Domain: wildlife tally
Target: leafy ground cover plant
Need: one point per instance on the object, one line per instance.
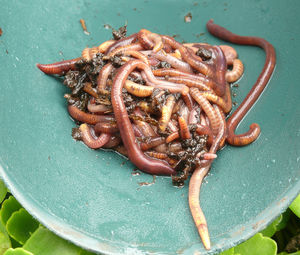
(21, 234)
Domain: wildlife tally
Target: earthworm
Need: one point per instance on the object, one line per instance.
(122, 49)
(162, 115)
(194, 204)
(225, 103)
(230, 53)
(150, 40)
(205, 130)
(195, 185)
(236, 72)
(136, 54)
(188, 57)
(152, 142)
(98, 108)
(257, 88)
(145, 106)
(90, 90)
(122, 42)
(142, 161)
(106, 127)
(166, 112)
(157, 155)
(184, 129)
(207, 108)
(103, 76)
(89, 53)
(173, 136)
(193, 116)
(152, 81)
(88, 118)
(114, 141)
(172, 126)
(59, 68)
(190, 82)
(138, 89)
(90, 140)
(143, 126)
(188, 100)
(174, 62)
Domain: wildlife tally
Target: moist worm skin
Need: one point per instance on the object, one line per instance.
(135, 154)
(103, 76)
(257, 89)
(113, 142)
(122, 42)
(122, 49)
(183, 128)
(236, 72)
(59, 68)
(166, 112)
(90, 90)
(88, 118)
(106, 127)
(90, 140)
(138, 89)
(150, 40)
(224, 102)
(230, 53)
(207, 108)
(187, 56)
(194, 203)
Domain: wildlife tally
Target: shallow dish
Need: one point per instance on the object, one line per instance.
(91, 197)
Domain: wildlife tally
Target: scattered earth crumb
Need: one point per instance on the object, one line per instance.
(6, 51)
(134, 9)
(195, 3)
(188, 18)
(49, 158)
(148, 183)
(107, 26)
(82, 22)
(201, 34)
(135, 172)
(234, 103)
(174, 36)
(1, 31)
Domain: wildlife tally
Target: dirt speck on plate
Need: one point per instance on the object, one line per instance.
(188, 18)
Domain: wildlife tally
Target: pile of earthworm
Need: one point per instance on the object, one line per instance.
(161, 103)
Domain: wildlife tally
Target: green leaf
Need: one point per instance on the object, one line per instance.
(4, 243)
(284, 221)
(84, 252)
(21, 225)
(258, 244)
(44, 242)
(285, 253)
(295, 206)
(3, 190)
(9, 206)
(272, 228)
(228, 252)
(17, 251)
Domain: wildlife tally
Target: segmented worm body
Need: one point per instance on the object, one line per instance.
(163, 104)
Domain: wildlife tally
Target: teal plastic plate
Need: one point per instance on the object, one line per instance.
(91, 197)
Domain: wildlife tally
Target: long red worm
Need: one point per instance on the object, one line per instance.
(257, 89)
(135, 154)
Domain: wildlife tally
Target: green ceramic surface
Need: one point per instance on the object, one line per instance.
(91, 197)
